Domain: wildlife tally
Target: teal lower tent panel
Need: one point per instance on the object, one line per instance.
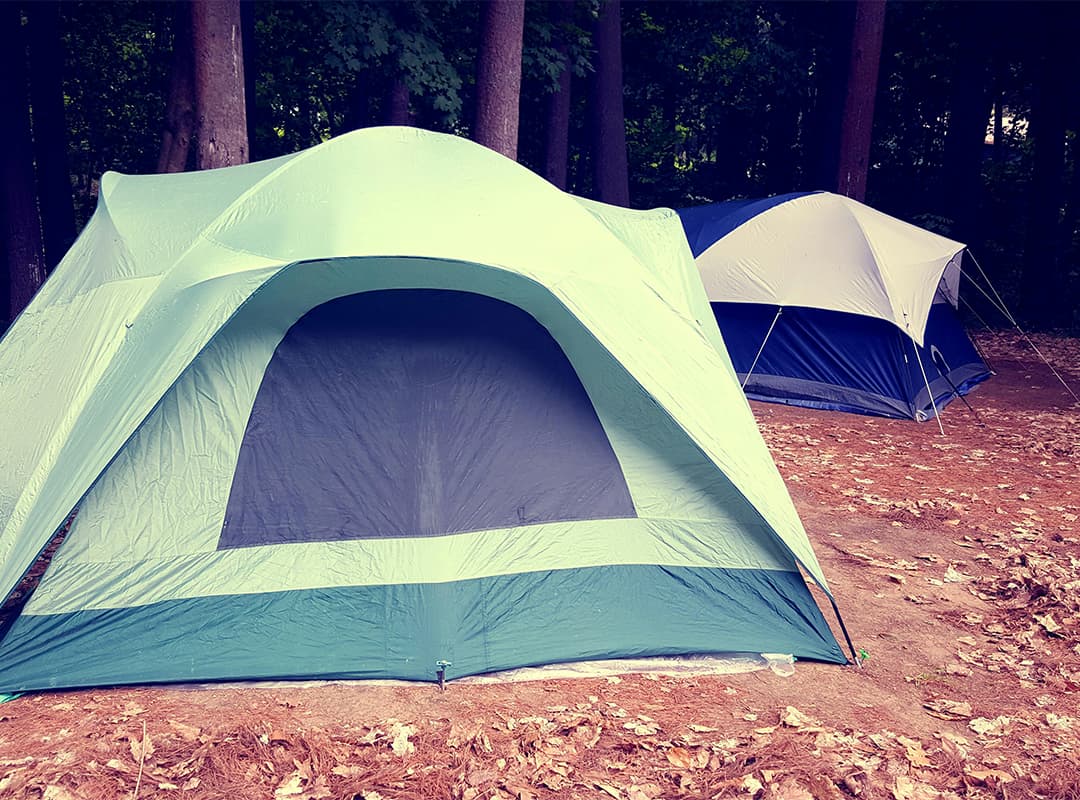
(402, 631)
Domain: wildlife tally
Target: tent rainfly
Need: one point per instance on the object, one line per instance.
(826, 303)
(384, 406)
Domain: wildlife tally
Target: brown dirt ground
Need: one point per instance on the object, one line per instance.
(955, 560)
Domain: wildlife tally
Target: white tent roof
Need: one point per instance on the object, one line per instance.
(827, 251)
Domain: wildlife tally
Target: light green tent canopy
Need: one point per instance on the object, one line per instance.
(192, 332)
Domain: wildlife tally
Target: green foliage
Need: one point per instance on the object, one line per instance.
(722, 100)
(116, 71)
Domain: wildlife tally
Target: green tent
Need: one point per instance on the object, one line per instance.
(384, 404)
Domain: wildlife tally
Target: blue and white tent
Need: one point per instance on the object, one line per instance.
(826, 303)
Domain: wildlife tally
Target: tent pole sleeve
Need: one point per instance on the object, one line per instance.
(1012, 320)
(768, 333)
(929, 391)
(844, 630)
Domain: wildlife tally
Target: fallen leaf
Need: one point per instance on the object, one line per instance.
(401, 744)
(990, 727)
(948, 709)
(189, 733)
(290, 787)
(605, 787)
(914, 752)
(989, 776)
(680, 757)
(794, 718)
(1048, 623)
(752, 785)
(56, 792)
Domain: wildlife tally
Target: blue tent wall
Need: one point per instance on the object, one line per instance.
(847, 362)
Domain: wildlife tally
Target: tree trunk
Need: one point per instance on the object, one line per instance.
(397, 103)
(970, 107)
(219, 84)
(824, 118)
(180, 104)
(50, 130)
(557, 133)
(498, 80)
(1044, 298)
(610, 169)
(21, 231)
(247, 38)
(857, 128)
(357, 105)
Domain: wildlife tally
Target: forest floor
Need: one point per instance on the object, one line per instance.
(956, 563)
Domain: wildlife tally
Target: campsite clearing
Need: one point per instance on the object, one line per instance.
(956, 562)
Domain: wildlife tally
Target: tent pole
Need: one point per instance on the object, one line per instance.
(929, 391)
(1012, 320)
(843, 628)
(768, 333)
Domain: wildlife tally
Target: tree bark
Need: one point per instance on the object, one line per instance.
(557, 133)
(498, 80)
(610, 169)
(857, 129)
(970, 106)
(397, 104)
(824, 119)
(50, 130)
(21, 231)
(1044, 295)
(180, 104)
(219, 84)
(248, 42)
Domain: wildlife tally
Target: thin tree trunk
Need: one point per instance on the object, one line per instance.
(857, 130)
(357, 106)
(50, 129)
(498, 80)
(970, 107)
(219, 84)
(180, 104)
(824, 119)
(397, 104)
(557, 133)
(249, 45)
(21, 231)
(610, 167)
(1044, 298)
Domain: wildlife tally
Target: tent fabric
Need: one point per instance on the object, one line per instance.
(441, 392)
(548, 365)
(844, 362)
(826, 303)
(823, 250)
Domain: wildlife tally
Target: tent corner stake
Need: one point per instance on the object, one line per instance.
(440, 673)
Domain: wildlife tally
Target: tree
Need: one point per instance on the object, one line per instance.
(397, 104)
(50, 129)
(180, 102)
(557, 129)
(498, 79)
(1045, 287)
(21, 231)
(857, 129)
(221, 138)
(610, 167)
